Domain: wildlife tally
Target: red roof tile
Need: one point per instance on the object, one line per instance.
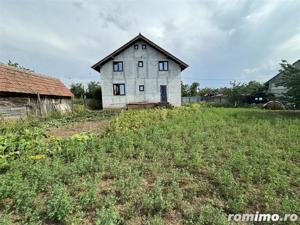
(20, 81)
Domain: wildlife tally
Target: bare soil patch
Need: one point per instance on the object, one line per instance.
(68, 130)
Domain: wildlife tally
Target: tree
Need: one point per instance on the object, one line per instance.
(94, 92)
(207, 91)
(77, 89)
(224, 91)
(291, 80)
(236, 92)
(194, 89)
(184, 89)
(254, 87)
(189, 90)
(17, 65)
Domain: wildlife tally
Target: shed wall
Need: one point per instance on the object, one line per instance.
(21, 106)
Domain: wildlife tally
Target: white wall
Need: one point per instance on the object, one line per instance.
(277, 91)
(133, 76)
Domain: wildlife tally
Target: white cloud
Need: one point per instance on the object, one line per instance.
(289, 49)
(221, 40)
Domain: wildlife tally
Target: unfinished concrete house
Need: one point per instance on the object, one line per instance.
(140, 72)
(27, 93)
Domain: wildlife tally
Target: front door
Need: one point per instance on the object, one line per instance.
(163, 93)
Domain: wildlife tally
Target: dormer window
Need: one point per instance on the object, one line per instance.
(144, 46)
(118, 66)
(136, 46)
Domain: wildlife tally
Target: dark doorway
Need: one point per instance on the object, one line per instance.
(163, 93)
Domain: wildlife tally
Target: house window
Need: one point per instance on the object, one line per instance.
(118, 66)
(136, 46)
(140, 64)
(141, 87)
(119, 89)
(143, 46)
(163, 66)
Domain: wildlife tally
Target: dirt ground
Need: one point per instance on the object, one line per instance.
(97, 126)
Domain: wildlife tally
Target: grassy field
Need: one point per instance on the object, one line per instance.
(189, 165)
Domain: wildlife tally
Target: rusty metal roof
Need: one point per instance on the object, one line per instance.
(17, 80)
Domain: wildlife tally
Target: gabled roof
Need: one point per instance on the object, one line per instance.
(294, 64)
(139, 37)
(16, 80)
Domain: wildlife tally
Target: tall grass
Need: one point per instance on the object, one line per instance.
(189, 165)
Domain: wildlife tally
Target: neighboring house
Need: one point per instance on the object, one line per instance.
(23, 92)
(280, 90)
(140, 72)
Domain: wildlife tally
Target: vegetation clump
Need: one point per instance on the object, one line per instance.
(190, 165)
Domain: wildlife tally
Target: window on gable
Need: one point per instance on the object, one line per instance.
(144, 46)
(119, 89)
(140, 64)
(136, 46)
(141, 87)
(118, 66)
(163, 66)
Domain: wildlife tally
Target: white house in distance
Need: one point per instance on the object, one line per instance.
(278, 91)
(140, 72)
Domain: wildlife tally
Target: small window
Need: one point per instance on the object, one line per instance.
(141, 87)
(163, 66)
(144, 46)
(140, 64)
(119, 89)
(136, 46)
(118, 66)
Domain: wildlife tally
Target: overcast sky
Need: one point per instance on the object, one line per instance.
(220, 40)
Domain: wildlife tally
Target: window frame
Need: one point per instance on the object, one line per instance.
(142, 87)
(136, 46)
(141, 62)
(144, 46)
(163, 63)
(118, 85)
(118, 62)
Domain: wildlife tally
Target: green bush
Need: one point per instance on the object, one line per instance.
(191, 164)
(59, 204)
(209, 215)
(94, 104)
(107, 214)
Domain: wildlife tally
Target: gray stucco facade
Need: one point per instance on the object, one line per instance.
(142, 82)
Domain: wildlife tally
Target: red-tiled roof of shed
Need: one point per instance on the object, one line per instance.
(21, 81)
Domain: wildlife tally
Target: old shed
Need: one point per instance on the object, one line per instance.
(23, 92)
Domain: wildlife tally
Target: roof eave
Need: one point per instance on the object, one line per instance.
(99, 64)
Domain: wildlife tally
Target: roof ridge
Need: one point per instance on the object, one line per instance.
(97, 66)
(296, 62)
(21, 81)
(32, 73)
